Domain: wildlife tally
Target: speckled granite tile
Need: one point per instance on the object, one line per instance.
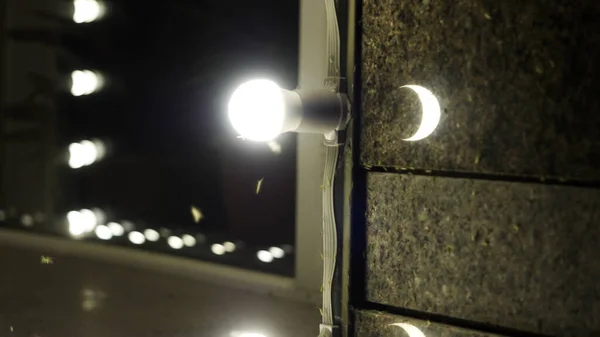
(374, 324)
(517, 81)
(522, 256)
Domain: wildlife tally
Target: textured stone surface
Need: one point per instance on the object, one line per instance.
(517, 81)
(375, 324)
(522, 256)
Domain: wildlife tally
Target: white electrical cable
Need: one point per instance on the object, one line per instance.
(331, 153)
(329, 236)
(333, 46)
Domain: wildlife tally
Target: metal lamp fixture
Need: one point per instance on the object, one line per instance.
(260, 110)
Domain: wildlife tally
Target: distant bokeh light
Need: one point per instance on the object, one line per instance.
(88, 219)
(277, 252)
(85, 82)
(86, 11)
(218, 249)
(27, 220)
(85, 153)
(175, 242)
(136, 238)
(76, 223)
(264, 256)
(116, 228)
(188, 240)
(103, 232)
(229, 246)
(151, 235)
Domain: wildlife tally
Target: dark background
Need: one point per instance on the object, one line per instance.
(169, 68)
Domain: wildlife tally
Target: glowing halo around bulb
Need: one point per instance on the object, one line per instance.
(256, 110)
(86, 11)
(431, 112)
(410, 329)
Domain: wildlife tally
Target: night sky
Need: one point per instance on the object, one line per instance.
(170, 67)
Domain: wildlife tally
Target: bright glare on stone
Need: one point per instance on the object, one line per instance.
(86, 11)
(257, 111)
(277, 252)
(103, 232)
(218, 249)
(136, 238)
(188, 240)
(151, 235)
(175, 242)
(84, 82)
(116, 229)
(410, 329)
(431, 112)
(245, 334)
(229, 246)
(264, 256)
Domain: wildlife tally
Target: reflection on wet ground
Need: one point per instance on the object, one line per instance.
(78, 297)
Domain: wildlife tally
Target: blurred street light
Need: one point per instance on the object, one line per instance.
(175, 242)
(264, 256)
(85, 153)
(136, 238)
(218, 249)
(277, 252)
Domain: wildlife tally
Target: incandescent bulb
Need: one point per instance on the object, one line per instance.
(257, 110)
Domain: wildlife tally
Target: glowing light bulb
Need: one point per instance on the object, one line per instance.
(264, 256)
(84, 82)
(103, 232)
(218, 249)
(136, 238)
(151, 235)
(257, 110)
(116, 229)
(86, 11)
(175, 242)
(277, 252)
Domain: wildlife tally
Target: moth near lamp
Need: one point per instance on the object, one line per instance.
(260, 110)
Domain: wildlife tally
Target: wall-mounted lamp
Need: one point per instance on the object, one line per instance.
(260, 110)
